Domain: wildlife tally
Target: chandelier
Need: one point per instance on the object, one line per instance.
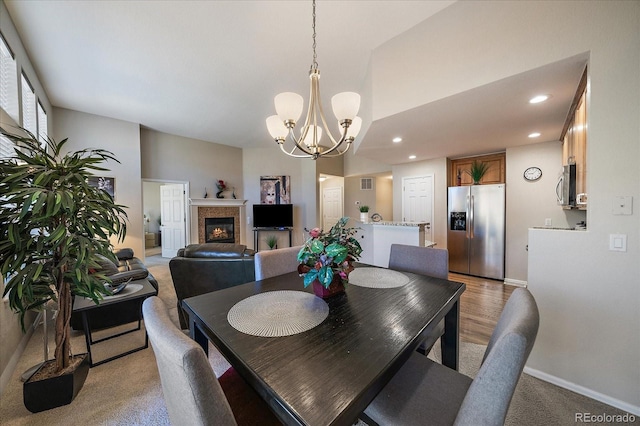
(289, 107)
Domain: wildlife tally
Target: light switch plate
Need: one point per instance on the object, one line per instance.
(618, 242)
(622, 205)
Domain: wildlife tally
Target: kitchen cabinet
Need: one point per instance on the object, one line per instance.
(495, 173)
(574, 141)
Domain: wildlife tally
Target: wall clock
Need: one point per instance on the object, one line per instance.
(532, 174)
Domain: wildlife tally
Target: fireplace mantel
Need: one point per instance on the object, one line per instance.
(216, 202)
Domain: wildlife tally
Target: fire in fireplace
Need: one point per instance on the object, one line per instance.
(219, 230)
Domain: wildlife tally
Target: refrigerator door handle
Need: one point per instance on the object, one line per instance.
(468, 224)
(471, 218)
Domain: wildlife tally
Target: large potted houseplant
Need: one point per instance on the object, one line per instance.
(53, 225)
(325, 258)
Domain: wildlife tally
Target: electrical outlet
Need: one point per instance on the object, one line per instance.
(547, 222)
(248, 220)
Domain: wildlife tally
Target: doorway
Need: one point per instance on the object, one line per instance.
(330, 201)
(417, 202)
(161, 238)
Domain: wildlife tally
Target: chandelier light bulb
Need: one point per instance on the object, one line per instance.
(354, 128)
(276, 127)
(309, 138)
(289, 106)
(345, 105)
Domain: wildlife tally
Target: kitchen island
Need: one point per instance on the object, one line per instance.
(376, 239)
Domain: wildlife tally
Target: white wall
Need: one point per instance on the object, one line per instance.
(437, 168)
(123, 140)
(305, 187)
(589, 337)
(530, 203)
(151, 205)
(384, 197)
(176, 158)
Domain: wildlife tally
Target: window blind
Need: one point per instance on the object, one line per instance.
(29, 119)
(42, 124)
(8, 81)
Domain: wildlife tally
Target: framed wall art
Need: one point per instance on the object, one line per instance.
(274, 190)
(107, 184)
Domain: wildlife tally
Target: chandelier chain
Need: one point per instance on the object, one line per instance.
(314, 66)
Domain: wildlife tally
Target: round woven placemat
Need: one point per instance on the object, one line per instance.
(278, 313)
(377, 278)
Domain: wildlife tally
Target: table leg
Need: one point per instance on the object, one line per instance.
(450, 339)
(87, 335)
(198, 336)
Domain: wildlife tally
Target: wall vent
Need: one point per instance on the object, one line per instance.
(366, 183)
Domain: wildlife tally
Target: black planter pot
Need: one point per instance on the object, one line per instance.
(55, 392)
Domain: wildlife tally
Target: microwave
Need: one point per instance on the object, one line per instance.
(566, 186)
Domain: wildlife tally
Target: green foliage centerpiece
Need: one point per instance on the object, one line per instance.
(326, 256)
(53, 224)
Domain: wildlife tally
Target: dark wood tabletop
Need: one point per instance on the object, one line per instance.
(329, 374)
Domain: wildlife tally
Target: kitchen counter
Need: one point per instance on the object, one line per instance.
(389, 223)
(376, 239)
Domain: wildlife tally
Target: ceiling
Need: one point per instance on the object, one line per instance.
(209, 70)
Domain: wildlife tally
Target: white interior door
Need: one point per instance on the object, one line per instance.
(173, 218)
(332, 208)
(417, 202)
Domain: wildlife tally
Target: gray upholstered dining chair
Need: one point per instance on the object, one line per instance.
(430, 261)
(269, 263)
(425, 392)
(433, 262)
(192, 393)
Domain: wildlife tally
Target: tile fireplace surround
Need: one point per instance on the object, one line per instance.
(202, 208)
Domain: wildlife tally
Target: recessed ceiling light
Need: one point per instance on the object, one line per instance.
(397, 139)
(534, 135)
(538, 99)
(412, 157)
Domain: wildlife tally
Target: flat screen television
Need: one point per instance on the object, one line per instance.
(273, 215)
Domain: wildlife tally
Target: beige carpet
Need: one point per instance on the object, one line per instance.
(127, 391)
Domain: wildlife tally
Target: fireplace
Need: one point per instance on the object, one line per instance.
(219, 230)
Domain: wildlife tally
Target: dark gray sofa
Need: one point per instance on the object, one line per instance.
(203, 268)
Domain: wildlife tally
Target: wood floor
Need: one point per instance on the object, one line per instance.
(480, 306)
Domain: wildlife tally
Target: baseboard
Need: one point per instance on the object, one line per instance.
(622, 405)
(515, 283)
(13, 362)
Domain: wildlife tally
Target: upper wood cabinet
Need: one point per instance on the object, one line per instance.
(495, 173)
(574, 140)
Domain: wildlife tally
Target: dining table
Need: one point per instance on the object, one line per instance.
(322, 361)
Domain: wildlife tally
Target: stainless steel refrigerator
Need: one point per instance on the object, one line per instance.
(476, 230)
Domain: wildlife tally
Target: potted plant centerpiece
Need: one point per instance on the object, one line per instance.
(325, 258)
(477, 170)
(53, 224)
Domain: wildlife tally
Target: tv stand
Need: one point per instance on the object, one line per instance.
(256, 233)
